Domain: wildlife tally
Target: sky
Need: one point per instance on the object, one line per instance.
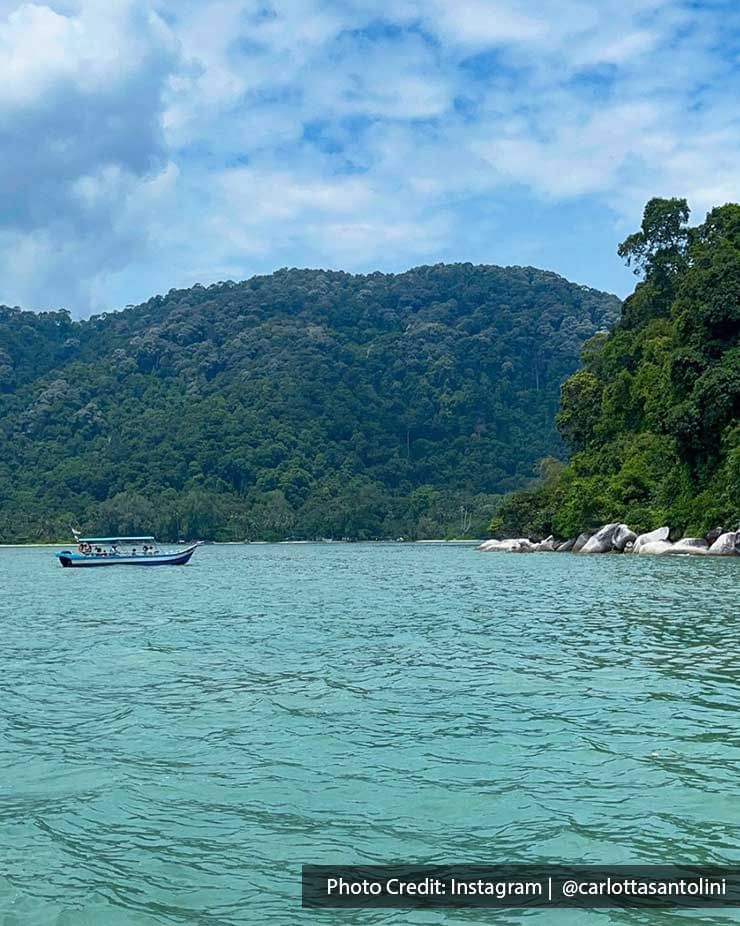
(151, 145)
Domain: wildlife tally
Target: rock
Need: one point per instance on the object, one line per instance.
(696, 546)
(581, 541)
(726, 544)
(655, 548)
(566, 546)
(622, 537)
(661, 533)
(546, 546)
(521, 545)
(714, 535)
(488, 545)
(602, 541)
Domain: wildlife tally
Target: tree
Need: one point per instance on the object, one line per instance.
(659, 247)
(652, 416)
(580, 408)
(300, 404)
(659, 253)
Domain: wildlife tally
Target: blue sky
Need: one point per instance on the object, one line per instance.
(148, 145)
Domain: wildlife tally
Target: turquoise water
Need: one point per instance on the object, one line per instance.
(175, 742)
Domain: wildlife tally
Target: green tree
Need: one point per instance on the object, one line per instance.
(652, 417)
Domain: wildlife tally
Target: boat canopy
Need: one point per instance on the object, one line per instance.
(114, 539)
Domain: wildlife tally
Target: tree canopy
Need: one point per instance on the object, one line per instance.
(301, 404)
(652, 415)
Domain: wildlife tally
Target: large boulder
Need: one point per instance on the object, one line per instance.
(566, 546)
(622, 537)
(581, 541)
(546, 546)
(520, 545)
(662, 533)
(656, 548)
(602, 541)
(714, 534)
(727, 544)
(488, 545)
(696, 546)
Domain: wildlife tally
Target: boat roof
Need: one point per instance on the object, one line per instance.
(114, 539)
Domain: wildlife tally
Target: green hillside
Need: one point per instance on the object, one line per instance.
(653, 415)
(301, 404)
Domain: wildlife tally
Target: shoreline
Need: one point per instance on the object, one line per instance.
(252, 543)
(619, 538)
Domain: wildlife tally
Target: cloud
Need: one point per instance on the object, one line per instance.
(162, 142)
(81, 103)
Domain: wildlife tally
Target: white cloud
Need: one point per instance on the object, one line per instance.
(80, 126)
(177, 140)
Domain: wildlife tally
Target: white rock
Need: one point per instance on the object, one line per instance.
(662, 533)
(622, 536)
(725, 544)
(655, 548)
(581, 541)
(547, 546)
(489, 545)
(696, 546)
(602, 540)
(520, 545)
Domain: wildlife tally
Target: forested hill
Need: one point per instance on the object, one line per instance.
(301, 404)
(653, 415)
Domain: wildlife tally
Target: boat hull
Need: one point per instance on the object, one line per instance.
(90, 561)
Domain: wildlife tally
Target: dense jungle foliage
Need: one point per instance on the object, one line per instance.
(297, 405)
(652, 415)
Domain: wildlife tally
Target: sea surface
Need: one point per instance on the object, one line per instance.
(176, 742)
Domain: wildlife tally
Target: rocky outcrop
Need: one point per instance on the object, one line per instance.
(655, 548)
(662, 533)
(727, 544)
(602, 541)
(696, 546)
(521, 545)
(622, 536)
(618, 538)
(713, 535)
(581, 541)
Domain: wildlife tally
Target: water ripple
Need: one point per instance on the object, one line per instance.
(175, 743)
